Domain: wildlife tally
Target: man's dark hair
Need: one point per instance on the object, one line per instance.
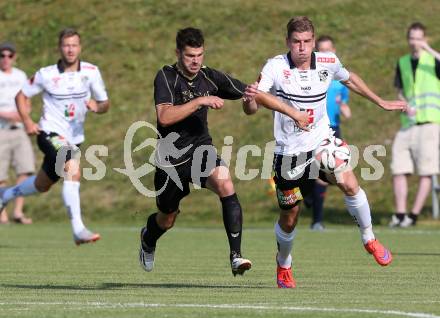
(300, 24)
(67, 33)
(189, 37)
(416, 26)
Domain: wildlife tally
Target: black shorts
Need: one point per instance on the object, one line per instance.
(168, 193)
(49, 144)
(295, 177)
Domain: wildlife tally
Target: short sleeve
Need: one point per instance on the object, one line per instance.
(34, 86)
(267, 78)
(340, 72)
(228, 87)
(98, 87)
(162, 90)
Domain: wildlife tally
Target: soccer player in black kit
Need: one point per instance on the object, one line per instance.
(183, 92)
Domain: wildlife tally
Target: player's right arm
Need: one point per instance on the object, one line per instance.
(33, 87)
(167, 112)
(257, 95)
(253, 98)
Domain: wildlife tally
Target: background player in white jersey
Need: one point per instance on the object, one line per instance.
(301, 78)
(68, 88)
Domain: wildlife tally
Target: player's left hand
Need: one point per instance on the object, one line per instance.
(250, 92)
(92, 105)
(394, 105)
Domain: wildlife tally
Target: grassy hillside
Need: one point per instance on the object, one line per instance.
(130, 40)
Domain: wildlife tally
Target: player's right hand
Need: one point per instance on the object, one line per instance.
(250, 92)
(302, 120)
(213, 102)
(32, 128)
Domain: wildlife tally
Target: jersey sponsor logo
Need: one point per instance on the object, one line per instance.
(69, 111)
(326, 59)
(306, 88)
(303, 76)
(323, 75)
(286, 73)
(84, 79)
(289, 197)
(55, 80)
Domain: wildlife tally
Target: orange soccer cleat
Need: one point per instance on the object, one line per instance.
(285, 278)
(382, 255)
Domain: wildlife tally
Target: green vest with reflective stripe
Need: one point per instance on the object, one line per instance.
(423, 93)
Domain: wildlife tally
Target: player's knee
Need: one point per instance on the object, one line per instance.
(41, 187)
(225, 188)
(166, 221)
(289, 219)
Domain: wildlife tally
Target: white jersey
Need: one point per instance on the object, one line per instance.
(10, 85)
(304, 90)
(65, 95)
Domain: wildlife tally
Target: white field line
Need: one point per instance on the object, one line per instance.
(108, 305)
(269, 229)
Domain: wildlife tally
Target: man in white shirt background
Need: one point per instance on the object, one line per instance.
(70, 88)
(15, 145)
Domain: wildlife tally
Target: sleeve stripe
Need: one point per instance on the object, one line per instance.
(233, 84)
(168, 86)
(210, 80)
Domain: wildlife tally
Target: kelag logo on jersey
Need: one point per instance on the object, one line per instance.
(326, 59)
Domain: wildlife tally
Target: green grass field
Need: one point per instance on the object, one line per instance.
(42, 274)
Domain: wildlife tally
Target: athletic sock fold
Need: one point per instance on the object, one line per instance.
(284, 245)
(358, 207)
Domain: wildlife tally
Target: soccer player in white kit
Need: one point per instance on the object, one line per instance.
(301, 78)
(70, 89)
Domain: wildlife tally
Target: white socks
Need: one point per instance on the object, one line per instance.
(285, 242)
(72, 204)
(359, 208)
(25, 188)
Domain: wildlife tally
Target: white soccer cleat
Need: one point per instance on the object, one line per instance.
(239, 265)
(407, 222)
(146, 254)
(85, 236)
(395, 221)
(146, 259)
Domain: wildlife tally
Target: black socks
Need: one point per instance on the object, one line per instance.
(233, 220)
(152, 234)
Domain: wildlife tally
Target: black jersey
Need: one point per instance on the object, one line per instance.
(172, 87)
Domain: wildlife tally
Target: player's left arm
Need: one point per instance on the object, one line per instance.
(99, 103)
(357, 85)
